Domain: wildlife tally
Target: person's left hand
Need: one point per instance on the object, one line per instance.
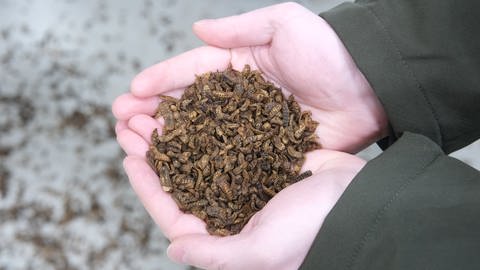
(277, 237)
(293, 48)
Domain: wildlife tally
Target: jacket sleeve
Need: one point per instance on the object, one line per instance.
(412, 207)
(422, 58)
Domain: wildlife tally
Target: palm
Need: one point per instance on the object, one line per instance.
(135, 138)
(307, 75)
(341, 122)
(306, 204)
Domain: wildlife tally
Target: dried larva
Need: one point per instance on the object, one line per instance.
(303, 175)
(228, 145)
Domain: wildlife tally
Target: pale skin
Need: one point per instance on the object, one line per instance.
(298, 51)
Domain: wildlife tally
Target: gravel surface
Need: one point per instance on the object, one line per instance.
(65, 202)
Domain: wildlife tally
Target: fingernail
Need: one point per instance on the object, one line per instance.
(176, 254)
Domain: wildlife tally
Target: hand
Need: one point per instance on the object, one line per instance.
(294, 48)
(277, 237)
(298, 51)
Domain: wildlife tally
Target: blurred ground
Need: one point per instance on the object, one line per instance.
(64, 200)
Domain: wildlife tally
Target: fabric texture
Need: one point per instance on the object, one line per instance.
(413, 207)
(422, 58)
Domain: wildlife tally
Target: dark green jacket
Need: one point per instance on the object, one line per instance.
(413, 207)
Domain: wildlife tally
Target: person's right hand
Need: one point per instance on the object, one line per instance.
(294, 48)
(277, 237)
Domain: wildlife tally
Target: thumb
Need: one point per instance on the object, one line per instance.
(206, 251)
(249, 29)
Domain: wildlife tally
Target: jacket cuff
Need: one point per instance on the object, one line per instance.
(358, 211)
(374, 51)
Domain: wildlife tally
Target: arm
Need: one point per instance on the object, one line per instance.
(428, 53)
(424, 214)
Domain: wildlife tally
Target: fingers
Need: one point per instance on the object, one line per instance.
(144, 125)
(159, 204)
(120, 125)
(323, 159)
(179, 72)
(146, 185)
(209, 252)
(249, 29)
(127, 105)
(132, 143)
